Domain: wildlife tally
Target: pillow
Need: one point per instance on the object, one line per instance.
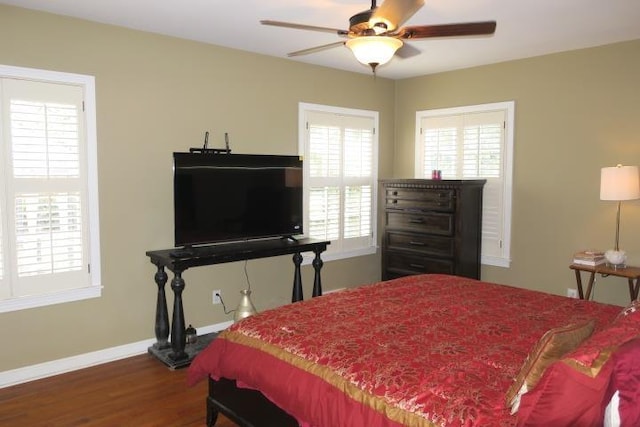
(604, 342)
(565, 397)
(611, 412)
(554, 344)
(572, 389)
(621, 401)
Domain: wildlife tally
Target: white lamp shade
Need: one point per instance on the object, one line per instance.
(374, 49)
(620, 183)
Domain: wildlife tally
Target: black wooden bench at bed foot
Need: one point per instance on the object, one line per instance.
(245, 407)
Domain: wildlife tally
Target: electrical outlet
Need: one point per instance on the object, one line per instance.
(572, 293)
(217, 294)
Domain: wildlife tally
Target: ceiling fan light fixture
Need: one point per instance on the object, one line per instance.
(380, 25)
(374, 50)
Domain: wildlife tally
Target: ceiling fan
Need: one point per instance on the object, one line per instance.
(375, 35)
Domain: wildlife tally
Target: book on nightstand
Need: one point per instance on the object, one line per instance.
(589, 257)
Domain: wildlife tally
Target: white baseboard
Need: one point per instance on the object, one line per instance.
(68, 364)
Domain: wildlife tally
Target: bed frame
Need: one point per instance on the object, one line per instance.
(245, 407)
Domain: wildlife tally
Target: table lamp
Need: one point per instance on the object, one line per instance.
(619, 183)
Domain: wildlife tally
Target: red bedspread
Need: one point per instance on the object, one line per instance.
(429, 350)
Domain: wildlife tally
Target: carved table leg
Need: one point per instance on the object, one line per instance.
(297, 279)
(162, 315)
(317, 282)
(178, 338)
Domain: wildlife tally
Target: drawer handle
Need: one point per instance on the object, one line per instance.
(416, 266)
(416, 221)
(416, 243)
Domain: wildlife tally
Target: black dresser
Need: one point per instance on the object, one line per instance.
(431, 226)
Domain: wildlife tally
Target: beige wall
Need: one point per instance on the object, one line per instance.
(575, 113)
(156, 95)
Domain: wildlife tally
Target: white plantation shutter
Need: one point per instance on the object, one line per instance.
(357, 211)
(483, 146)
(339, 148)
(45, 137)
(441, 146)
(323, 162)
(473, 143)
(45, 222)
(48, 233)
(324, 213)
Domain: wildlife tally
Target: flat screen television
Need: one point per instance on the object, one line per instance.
(234, 197)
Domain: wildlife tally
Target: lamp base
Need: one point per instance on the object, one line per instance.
(245, 307)
(616, 259)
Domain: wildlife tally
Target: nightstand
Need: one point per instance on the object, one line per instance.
(631, 273)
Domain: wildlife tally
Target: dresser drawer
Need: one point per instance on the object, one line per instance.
(421, 243)
(401, 263)
(421, 200)
(428, 222)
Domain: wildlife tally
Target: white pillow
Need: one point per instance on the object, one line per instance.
(611, 414)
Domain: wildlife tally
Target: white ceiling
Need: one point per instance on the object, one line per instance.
(525, 28)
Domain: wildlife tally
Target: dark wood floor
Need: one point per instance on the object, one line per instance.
(138, 391)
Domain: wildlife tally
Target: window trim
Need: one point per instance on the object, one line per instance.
(304, 107)
(507, 212)
(94, 289)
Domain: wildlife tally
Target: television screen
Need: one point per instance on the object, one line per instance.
(233, 197)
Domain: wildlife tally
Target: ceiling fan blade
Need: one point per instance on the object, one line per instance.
(304, 27)
(315, 49)
(447, 30)
(394, 13)
(407, 51)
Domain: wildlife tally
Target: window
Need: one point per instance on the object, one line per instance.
(49, 243)
(474, 142)
(340, 151)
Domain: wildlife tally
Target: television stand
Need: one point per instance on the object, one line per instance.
(179, 260)
(185, 252)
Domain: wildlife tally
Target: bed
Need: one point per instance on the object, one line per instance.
(427, 350)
